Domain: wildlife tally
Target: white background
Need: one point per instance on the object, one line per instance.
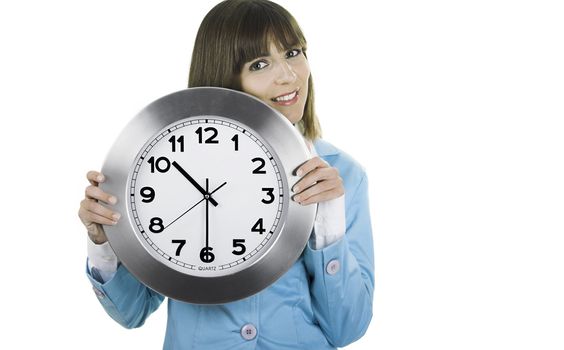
(455, 108)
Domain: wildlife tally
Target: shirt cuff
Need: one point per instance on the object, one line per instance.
(102, 260)
(329, 225)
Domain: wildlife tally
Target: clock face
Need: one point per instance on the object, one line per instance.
(206, 196)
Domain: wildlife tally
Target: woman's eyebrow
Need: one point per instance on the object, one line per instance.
(267, 54)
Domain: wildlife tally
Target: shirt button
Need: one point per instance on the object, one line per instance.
(249, 332)
(333, 267)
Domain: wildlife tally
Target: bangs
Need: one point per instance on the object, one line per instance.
(258, 27)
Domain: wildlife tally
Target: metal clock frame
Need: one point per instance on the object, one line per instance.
(274, 130)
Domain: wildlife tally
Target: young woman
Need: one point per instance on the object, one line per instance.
(325, 300)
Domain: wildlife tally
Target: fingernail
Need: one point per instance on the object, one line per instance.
(99, 178)
(112, 200)
(296, 189)
(300, 172)
(297, 198)
(116, 216)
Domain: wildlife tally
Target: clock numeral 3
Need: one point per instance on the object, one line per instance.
(259, 170)
(156, 225)
(258, 227)
(181, 243)
(270, 193)
(180, 141)
(210, 139)
(206, 255)
(238, 243)
(162, 164)
(148, 194)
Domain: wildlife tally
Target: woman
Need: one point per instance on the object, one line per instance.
(325, 299)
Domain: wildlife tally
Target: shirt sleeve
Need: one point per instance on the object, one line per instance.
(329, 225)
(342, 275)
(102, 261)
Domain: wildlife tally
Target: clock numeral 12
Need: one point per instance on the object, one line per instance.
(210, 139)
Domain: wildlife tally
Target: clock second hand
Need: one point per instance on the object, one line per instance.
(192, 207)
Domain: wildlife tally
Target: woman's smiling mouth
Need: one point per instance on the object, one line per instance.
(287, 99)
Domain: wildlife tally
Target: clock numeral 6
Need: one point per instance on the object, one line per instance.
(162, 164)
(181, 243)
(238, 243)
(257, 227)
(210, 139)
(206, 255)
(148, 194)
(259, 170)
(270, 193)
(156, 225)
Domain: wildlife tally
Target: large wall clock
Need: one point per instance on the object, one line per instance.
(203, 176)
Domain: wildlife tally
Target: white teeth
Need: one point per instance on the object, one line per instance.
(286, 98)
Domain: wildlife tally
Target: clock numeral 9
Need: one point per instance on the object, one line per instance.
(257, 227)
(206, 255)
(238, 243)
(210, 139)
(259, 170)
(156, 225)
(148, 194)
(181, 243)
(162, 164)
(180, 141)
(270, 193)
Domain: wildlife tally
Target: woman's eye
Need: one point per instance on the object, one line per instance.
(258, 65)
(293, 53)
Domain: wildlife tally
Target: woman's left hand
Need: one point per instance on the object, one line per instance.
(321, 182)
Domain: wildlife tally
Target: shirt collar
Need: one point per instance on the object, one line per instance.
(324, 148)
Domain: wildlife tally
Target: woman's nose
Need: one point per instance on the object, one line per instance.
(285, 73)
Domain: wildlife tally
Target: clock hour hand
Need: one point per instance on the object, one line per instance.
(193, 182)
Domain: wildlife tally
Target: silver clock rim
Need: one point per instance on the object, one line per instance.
(281, 137)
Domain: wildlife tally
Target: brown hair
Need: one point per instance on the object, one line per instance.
(237, 31)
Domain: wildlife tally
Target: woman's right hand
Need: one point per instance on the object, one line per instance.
(93, 214)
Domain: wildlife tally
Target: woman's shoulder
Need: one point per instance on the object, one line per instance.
(349, 168)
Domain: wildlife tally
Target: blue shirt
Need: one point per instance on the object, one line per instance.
(324, 301)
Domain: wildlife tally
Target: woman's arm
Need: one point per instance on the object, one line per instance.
(342, 274)
(125, 299)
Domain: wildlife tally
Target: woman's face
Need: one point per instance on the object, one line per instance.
(280, 80)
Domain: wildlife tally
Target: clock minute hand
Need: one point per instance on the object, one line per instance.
(193, 206)
(208, 198)
(193, 182)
